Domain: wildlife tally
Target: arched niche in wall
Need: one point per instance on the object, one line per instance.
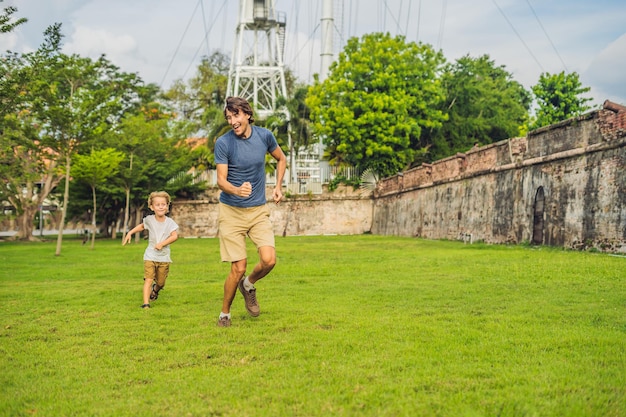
(538, 209)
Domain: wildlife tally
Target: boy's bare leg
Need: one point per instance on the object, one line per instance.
(147, 289)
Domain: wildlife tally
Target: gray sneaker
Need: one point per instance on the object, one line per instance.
(252, 304)
(223, 322)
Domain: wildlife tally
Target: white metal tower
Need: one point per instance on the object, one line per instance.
(327, 23)
(257, 71)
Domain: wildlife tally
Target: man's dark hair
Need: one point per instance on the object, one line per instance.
(237, 104)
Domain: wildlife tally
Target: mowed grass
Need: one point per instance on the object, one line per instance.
(350, 326)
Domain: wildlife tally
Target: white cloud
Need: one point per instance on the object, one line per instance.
(95, 42)
(8, 41)
(606, 72)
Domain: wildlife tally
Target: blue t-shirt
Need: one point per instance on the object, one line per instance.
(246, 162)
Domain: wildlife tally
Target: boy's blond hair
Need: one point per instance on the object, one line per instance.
(155, 194)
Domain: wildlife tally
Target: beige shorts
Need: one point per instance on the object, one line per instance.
(235, 223)
(156, 271)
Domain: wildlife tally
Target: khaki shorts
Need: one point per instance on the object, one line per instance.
(156, 271)
(235, 223)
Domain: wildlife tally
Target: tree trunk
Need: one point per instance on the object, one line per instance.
(28, 203)
(29, 206)
(126, 212)
(138, 220)
(25, 223)
(66, 199)
(116, 227)
(127, 207)
(93, 218)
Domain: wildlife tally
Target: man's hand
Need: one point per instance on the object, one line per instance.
(245, 190)
(278, 194)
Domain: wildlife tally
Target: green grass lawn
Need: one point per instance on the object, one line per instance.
(349, 326)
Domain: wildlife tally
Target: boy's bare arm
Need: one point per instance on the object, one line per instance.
(170, 239)
(134, 230)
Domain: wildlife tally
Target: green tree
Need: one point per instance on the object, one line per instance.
(138, 132)
(30, 169)
(6, 25)
(157, 158)
(558, 97)
(200, 102)
(292, 127)
(95, 169)
(134, 130)
(82, 100)
(484, 105)
(380, 94)
(69, 101)
(198, 106)
(300, 116)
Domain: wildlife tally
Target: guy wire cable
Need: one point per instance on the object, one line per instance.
(193, 59)
(547, 36)
(518, 36)
(179, 43)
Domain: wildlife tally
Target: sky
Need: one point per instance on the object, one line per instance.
(165, 40)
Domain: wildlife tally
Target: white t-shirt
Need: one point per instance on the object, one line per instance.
(158, 232)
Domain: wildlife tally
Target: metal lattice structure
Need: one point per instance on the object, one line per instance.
(257, 71)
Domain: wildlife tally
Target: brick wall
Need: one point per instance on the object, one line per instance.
(491, 193)
(343, 212)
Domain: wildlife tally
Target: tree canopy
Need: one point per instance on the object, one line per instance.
(379, 96)
(95, 169)
(56, 106)
(483, 103)
(559, 97)
(7, 24)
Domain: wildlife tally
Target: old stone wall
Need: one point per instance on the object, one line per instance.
(563, 185)
(342, 212)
